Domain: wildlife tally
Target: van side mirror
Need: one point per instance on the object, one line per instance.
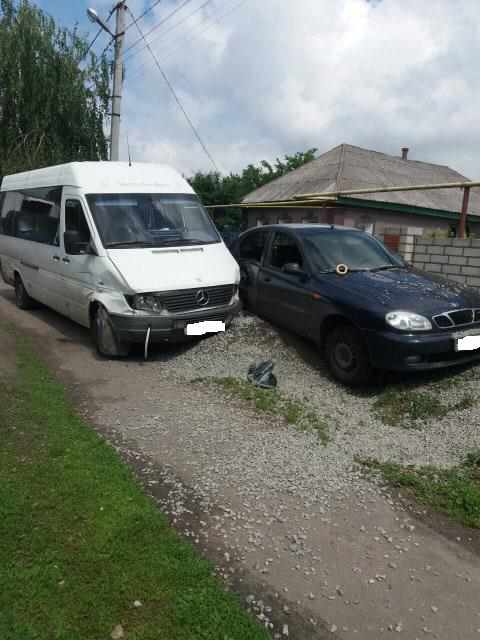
(293, 269)
(75, 244)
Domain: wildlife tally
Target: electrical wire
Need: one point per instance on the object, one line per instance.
(177, 99)
(96, 37)
(147, 11)
(182, 42)
(154, 28)
(213, 21)
(164, 33)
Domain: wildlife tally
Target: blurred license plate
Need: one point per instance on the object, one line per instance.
(467, 343)
(207, 326)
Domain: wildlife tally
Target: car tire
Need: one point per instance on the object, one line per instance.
(347, 356)
(107, 343)
(22, 299)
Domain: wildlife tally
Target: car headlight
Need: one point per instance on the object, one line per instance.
(146, 302)
(408, 321)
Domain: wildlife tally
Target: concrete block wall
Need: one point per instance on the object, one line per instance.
(457, 260)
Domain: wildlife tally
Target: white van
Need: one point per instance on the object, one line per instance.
(128, 251)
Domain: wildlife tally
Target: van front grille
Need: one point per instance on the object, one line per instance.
(194, 299)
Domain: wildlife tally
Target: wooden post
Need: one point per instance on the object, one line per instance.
(463, 216)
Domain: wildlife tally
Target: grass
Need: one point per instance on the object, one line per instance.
(80, 542)
(454, 491)
(404, 406)
(274, 403)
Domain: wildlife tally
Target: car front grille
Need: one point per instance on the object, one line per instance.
(194, 299)
(460, 318)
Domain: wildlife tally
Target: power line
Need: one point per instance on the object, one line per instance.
(150, 8)
(177, 24)
(182, 42)
(96, 38)
(194, 34)
(185, 2)
(197, 135)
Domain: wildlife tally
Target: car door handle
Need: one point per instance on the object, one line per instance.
(267, 279)
(67, 260)
(56, 258)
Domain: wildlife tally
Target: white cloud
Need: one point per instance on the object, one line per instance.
(277, 76)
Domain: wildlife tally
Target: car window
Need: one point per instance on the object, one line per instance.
(31, 214)
(253, 246)
(284, 250)
(75, 220)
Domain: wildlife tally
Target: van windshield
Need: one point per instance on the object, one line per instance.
(358, 250)
(134, 220)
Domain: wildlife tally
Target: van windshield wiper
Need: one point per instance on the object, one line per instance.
(129, 243)
(385, 267)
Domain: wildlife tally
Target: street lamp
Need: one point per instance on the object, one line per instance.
(93, 17)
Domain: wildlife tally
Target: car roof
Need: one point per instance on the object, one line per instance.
(299, 226)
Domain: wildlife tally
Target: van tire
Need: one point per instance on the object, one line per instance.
(347, 356)
(22, 299)
(106, 340)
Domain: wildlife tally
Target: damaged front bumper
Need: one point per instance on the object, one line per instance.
(133, 327)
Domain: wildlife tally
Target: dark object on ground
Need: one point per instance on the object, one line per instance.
(261, 375)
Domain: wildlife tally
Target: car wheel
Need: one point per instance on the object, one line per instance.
(22, 299)
(347, 356)
(106, 340)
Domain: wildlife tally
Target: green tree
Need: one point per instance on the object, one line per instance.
(53, 97)
(215, 189)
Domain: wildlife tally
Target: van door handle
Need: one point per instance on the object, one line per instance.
(267, 279)
(67, 260)
(56, 258)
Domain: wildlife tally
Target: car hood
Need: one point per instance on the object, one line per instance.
(164, 269)
(407, 290)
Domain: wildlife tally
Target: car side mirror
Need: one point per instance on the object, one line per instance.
(75, 245)
(293, 269)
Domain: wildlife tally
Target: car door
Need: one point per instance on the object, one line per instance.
(249, 254)
(285, 298)
(78, 264)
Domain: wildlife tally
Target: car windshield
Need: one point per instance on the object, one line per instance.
(357, 250)
(158, 220)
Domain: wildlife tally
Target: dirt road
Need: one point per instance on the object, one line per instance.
(334, 558)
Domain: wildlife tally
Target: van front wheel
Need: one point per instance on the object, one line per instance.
(22, 299)
(106, 340)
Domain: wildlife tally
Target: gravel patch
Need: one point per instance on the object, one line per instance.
(355, 428)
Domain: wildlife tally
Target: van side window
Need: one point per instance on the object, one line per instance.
(284, 250)
(31, 214)
(76, 222)
(253, 246)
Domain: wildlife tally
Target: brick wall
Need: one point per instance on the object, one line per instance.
(455, 259)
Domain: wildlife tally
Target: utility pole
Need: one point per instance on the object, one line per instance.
(120, 8)
(117, 81)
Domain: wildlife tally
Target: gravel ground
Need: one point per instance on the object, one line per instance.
(355, 429)
(269, 503)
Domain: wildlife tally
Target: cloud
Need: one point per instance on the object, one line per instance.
(277, 77)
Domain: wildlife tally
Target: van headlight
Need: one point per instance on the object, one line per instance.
(408, 321)
(146, 302)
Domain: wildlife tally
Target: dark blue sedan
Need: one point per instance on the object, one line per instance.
(361, 304)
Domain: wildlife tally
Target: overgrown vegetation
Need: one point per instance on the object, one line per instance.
(404, 406)
(213, 188)
(80, 542)
(273, 402)
(53, 98)
(454, 491)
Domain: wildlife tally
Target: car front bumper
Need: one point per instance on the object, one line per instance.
(398, 352)
(133, 327)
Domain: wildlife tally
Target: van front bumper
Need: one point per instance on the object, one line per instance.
(398, 352)
(133, 327)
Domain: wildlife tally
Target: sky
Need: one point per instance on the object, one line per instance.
(264, 78)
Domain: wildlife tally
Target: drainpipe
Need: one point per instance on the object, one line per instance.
(463, 216)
